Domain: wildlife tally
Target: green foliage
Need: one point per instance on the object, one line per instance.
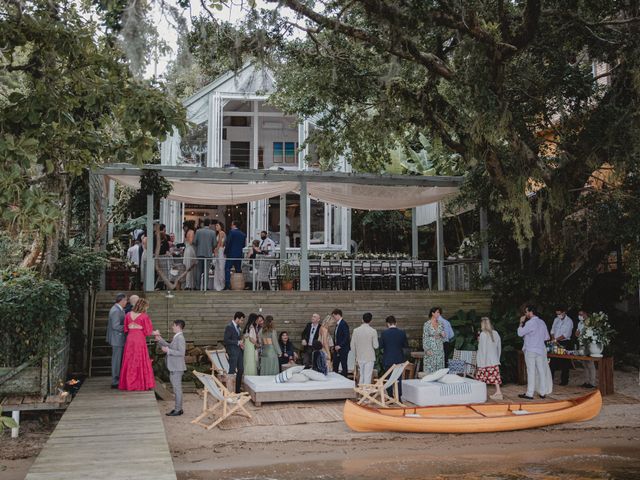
(80, 269)
(33, 314)
(150, 183)
(71, 104)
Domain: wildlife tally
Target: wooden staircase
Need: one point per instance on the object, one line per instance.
(207, 313)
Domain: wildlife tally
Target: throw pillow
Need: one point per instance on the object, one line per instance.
(284, 376)
(298, 378)
(435, 376)
(450, 378)
(313, 375)
(456, 366)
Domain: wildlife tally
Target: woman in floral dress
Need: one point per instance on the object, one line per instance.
(433, 335)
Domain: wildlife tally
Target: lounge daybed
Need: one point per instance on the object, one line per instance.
(265, 389)
(426, 394)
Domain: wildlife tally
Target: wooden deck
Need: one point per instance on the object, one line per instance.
(107, 434)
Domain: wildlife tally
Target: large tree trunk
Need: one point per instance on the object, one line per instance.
(34, 252)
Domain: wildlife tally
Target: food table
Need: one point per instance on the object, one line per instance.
(603, 364)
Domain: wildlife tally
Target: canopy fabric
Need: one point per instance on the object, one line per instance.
(204, 193)
(378, 197)
(363, 197)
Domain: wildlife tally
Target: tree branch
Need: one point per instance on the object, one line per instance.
(409, 50)
(529, 26)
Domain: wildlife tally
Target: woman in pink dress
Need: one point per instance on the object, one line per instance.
(136, 372)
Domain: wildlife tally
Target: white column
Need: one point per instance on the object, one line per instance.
(303, 130)
(149, 275)
(283, 226)
(484, 243)
(440, 247)
(254, 120)
(110, 201)
(212, 127)
(16, 418)
(304, 237)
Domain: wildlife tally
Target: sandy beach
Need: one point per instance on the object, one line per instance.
(290, 440)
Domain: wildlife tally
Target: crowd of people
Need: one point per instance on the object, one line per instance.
(255, 347)
(206, 248)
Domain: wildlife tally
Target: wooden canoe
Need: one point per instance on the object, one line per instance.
(474, 418)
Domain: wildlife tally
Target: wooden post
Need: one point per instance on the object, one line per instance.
(304, 237)
(440, 247)
(149, 274)
(283, 227)
(484, 245)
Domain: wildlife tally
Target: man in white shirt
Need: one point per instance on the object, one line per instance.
(133, 254)
(561, 332)
(534, 333)
(364, 343)
(267, 246)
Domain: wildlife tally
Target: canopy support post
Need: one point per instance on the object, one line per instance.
(484, 243)
(149, 273)
(414, 233)
(440, 247)
(283, 227)
(304, 237)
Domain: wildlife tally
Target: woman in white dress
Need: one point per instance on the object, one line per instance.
(189, 260)
(218, 276)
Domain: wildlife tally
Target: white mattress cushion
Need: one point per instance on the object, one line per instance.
(265, 383)
(426, 394)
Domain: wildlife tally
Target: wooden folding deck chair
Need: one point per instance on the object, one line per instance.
(219, 362)
(463, 363)
(226, 403)
(377, 392)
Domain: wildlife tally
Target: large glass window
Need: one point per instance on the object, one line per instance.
(193, 146)
(317, 234)
(240, 153)
(284, 152)
(336, 231)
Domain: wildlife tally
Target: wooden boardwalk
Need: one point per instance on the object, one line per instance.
(107, 434)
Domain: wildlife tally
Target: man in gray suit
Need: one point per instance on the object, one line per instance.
(116, 337)
(204, 242)
(175, 362)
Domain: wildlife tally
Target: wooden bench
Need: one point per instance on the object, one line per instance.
(21, 403)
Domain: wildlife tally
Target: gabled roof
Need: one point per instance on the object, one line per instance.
(248, 80)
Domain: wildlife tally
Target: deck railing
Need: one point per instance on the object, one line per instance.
(270, 273)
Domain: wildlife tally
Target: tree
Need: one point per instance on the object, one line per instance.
(504, 91)
(69, 102)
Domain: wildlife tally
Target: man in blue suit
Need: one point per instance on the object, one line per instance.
(393, 341)
(341, 342)
(235, 243)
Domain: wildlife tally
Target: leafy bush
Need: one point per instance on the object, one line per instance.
(33, 313)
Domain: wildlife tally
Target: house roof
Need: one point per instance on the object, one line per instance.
(250, 80)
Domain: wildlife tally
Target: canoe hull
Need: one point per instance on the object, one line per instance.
(477, 418)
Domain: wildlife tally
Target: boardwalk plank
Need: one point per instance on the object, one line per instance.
(107, 434)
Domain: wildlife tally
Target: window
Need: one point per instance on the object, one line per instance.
(240, 154)
(193, 146)
(284, 152)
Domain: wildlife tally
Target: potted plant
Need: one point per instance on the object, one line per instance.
(287, 276)
(597, 333)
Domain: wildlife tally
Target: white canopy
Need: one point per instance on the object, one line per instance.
(364, 197)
